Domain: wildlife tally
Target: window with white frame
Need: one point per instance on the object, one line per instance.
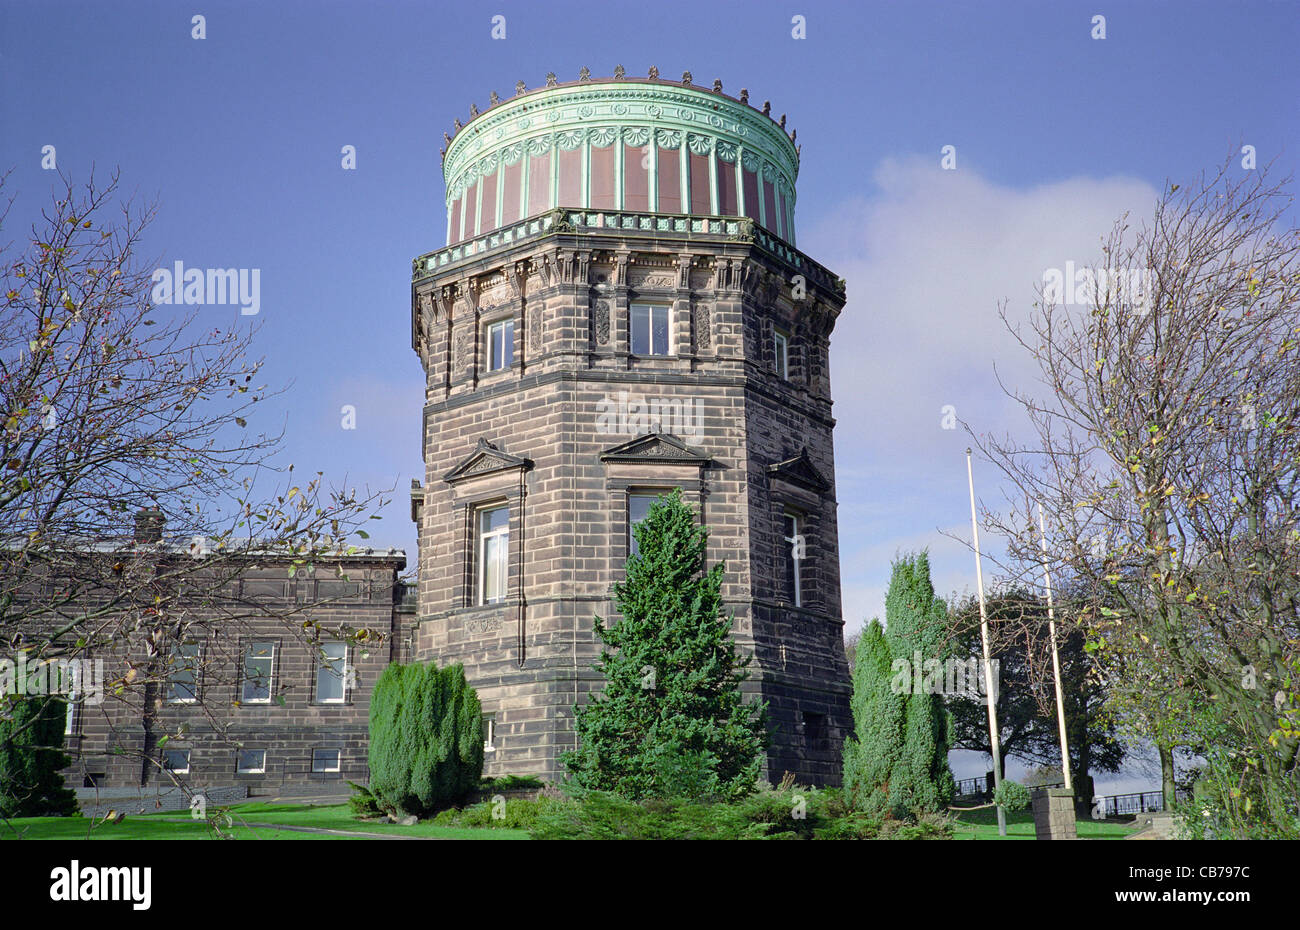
(259, 666)
(782, 359)
(325, 760)
(650, 334)
(183, 680)
(331, 681)
(489, 732)
(252, 762)
(176, 761)
(493, 551)
(793, 557)
(501, 344)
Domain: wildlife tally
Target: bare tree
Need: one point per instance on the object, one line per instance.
(1166, 454)
(114, 413)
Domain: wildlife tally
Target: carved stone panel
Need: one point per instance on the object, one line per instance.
(462, 347)
(601, 325)
(664, 279)
(703, 330)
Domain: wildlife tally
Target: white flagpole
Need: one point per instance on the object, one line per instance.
(1056, 658)
(988, 664)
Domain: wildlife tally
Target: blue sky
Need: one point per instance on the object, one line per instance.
(238, 138)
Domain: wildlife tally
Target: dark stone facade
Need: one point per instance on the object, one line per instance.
(120, 742)
(577, 422)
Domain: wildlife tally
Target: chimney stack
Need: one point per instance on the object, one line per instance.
(149, 522)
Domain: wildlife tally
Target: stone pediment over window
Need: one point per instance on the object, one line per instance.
(486, 459)
(800, 472)
(655, 449)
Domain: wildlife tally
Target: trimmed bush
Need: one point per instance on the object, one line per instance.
(1013, 796)
(794, 814)
(511, 783)
(363, 803)
(426, 739)
(508, 813)
(31, 754)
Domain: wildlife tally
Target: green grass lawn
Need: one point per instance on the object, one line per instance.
(167, 825)
(983, 825)
(170, 825)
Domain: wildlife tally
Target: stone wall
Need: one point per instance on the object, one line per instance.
(119, 743)
(560, 439)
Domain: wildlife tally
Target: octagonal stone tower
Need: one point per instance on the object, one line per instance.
(620, 310)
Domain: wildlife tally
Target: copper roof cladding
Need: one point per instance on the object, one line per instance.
(587, 144)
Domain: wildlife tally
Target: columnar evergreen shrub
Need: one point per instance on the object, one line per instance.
(896, 764)
(426, 738)
(878, 715)
(31, 754)
(671, 721)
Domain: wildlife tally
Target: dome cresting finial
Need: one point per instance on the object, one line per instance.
(686, 77)
(550, 79)
(654, 73)
(767, 107)
(520, 87)
(717, 86)
(584, 74)
(619, 73)
(494, 98)
(473, 110)
(744, 96)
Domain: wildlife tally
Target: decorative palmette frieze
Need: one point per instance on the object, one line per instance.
(570, 139)
(539, 145)
(604, 136)
(668, 138)
(700, 145)
(726, 151)
(636, 135)
(512, 153)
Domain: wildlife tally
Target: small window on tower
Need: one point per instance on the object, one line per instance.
(501, 345)
(649, 330)
(782, 360)
(493, 554)
(793, 557)
(638, 507)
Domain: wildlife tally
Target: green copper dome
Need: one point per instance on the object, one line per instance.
(638, 145)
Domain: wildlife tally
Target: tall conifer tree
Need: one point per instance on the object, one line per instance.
(898, 762)
(671, 720)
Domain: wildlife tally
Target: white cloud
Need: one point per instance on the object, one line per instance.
(927, 262)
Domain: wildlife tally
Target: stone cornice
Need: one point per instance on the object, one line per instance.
(661, 232)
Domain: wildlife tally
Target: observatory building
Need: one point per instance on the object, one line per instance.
(620, 310)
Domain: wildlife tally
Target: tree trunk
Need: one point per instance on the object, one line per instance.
(1167, 787)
